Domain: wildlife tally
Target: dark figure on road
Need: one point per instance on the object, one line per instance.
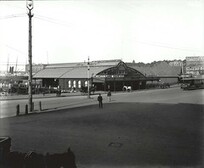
(100, 101)
(109, 96)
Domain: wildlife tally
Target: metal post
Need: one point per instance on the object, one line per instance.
(182, 73)
(88, 79)
(26, 109)
(17, 110)
(33, 106)
(105, 85)
(114, 85)
(40, 106)
(30, 15)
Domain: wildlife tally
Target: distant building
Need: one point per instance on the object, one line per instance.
(35, 67)
(194, 65)
(176, 63)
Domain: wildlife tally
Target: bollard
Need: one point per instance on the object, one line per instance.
(40, 106)
(17, 110)
(26, 109)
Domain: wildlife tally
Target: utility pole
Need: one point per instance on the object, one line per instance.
(88, 78)
(16, 65)
(29, 4)
(8, 64)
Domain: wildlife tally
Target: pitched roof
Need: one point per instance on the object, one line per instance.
(82, 72)
(84, 64)
(75, 70)
(51, 72)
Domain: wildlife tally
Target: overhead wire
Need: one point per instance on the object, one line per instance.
(13, 16)
(13, 48)
(157, 44)
(56, 21)
(63, 23)
(166, 46)
(51, 20)
(11, 63)
(161, 44)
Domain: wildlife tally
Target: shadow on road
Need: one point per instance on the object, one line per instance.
(120, 134)
(150, 134)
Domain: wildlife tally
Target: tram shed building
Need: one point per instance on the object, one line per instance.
(104, 75)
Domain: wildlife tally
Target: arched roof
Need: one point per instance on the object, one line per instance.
(120, 70)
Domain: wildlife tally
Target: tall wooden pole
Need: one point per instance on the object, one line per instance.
(30, 15)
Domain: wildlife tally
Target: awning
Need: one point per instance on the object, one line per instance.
(198, 77)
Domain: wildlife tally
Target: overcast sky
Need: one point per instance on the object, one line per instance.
(72, 30)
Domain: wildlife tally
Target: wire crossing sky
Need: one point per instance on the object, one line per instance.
(70, 31)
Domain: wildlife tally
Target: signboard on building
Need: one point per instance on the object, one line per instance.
(195, 61)
(195, 65)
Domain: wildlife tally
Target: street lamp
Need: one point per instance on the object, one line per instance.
(29, 5)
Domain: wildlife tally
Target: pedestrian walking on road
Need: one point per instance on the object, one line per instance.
(100, 101)
(109, 96)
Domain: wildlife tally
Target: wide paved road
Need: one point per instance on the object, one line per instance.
(172, 95)
(155, 128)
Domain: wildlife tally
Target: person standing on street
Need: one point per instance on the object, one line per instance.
(100, 101)
(109, 96)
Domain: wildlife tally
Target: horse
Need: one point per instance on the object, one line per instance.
(127, 88)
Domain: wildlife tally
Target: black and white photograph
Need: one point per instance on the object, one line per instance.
(101, 83)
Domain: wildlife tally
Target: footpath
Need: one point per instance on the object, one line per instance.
(37, 96)
(45, 103)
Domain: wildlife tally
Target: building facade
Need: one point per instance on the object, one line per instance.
(103, 75)
(195, 65)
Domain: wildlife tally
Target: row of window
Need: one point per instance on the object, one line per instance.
(76, 84)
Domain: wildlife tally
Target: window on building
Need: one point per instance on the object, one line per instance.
(74, 84)
(69, 83)
(86, 83)
(79, 84)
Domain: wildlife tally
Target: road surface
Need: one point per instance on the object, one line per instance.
(155, 128)
(172, 95)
